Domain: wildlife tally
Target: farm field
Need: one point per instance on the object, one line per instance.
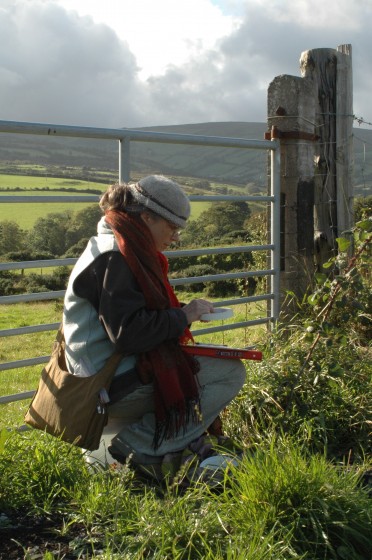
(20, 212)
(26, 214)
(53, 186)
(11, 182)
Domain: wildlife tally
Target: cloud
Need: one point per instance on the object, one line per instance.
(60, 66)
(159, 32)
(231, 81)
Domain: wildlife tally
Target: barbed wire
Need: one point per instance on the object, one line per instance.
(359, 120)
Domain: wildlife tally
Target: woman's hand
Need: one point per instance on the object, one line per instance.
(196, 308)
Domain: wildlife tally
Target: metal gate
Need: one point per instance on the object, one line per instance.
(125, 137)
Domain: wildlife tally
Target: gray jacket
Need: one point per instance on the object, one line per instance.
(105, 310)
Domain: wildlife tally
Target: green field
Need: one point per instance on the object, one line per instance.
(25, 214)
(8, 181)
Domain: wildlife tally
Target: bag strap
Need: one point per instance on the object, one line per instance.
(107, 372)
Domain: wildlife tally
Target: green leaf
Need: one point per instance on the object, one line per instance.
(313, 299)
(343, 243)
(335, 370)
(363, 235)
(366, 225)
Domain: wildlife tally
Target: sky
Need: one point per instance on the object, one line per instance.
(136, 63)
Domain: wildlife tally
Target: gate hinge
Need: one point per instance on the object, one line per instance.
(290, 134)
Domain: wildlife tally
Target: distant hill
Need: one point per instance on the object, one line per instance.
(239, 166)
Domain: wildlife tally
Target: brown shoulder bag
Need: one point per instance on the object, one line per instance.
(68, 406)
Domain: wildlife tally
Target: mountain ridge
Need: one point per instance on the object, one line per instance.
(230, 165)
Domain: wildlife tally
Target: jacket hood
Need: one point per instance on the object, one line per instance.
(103, 227)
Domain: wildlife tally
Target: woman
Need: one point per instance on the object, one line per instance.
(119, 298)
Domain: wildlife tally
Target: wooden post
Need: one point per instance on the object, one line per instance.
(313, 117)
(344, 140)
(330, 71)
(291, 114)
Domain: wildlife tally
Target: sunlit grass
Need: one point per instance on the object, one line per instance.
(20, 212)
(279, 503)
(18, 347)
(14, 348)
(283, 501)
(53, 186)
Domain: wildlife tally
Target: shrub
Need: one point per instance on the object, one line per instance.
(192, 271)
(7, 283)
(315, 380)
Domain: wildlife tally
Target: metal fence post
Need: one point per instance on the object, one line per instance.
(275, 231)
(124, 160)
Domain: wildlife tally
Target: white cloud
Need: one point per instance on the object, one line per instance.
(159, 32)
(315, 14)
(138, 63)
(64, 68)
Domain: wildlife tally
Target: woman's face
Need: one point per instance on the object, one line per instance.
(163, 232)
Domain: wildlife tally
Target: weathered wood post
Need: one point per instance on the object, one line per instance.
(331, 73)
(313, 117)
(291, 115)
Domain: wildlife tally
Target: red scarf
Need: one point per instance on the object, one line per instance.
(172, 371)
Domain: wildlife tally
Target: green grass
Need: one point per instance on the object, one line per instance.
(282, 502)
(21, 347)
(40, 344)
(26, 214)
(278, 504)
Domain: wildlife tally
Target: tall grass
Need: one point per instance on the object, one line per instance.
(278, 504)
(299, 491)
(318, 507)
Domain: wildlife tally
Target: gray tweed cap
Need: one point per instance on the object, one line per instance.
(164, 197)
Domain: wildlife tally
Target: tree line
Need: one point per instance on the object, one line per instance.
(65, 234)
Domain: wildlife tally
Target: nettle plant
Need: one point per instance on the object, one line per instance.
(342, 300)
(332, 385)
(315, 381)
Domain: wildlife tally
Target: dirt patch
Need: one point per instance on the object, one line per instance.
(25, 537)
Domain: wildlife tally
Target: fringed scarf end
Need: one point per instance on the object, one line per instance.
(176, 421)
